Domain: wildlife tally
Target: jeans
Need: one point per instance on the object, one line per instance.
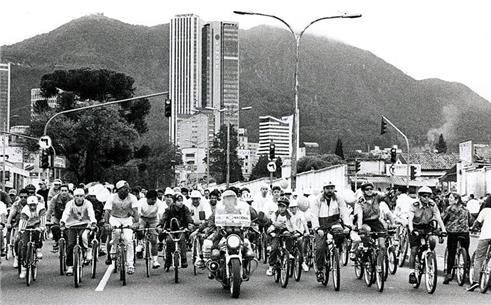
(275, 249)
(480, 255)
(452, 248)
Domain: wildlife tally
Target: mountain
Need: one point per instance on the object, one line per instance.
(343, 90)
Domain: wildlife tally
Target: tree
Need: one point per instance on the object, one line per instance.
(218, 156)
(96, 141)
(308, 163)
(441, 146)
(260, 170)
(339, 149)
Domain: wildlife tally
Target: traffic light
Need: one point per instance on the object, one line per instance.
(357, 165)
(44, 159)
(168, 108)
(271, 150)
(393, 155)
(413, 172)
(383, 126)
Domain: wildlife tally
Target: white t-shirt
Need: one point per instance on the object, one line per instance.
(265, 205)
(151, 211)
(403, 206)
(473, 206)
(3, 208)
(485, 218)
(203, 207)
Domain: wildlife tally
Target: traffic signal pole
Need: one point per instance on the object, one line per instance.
(407, 144)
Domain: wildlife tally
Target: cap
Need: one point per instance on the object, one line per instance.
(329, 184)
(120, 184)
(57, 181)
(229, 193)
(366, 184)
(293, 204)
(288, 191)
(195, 194)
(32, 200)
(12, 192)
(168, 191)
(78, 192)
(30, 187)
(425, 190)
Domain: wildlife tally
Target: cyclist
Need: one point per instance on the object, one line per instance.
(200, 212)
(31, 191)
(300, 222)
(328, 212)
(98, 207)
(151, 210)
(421, 214)
(32, 216)
(403, 205)
(281, 222)
(121, 209)
(3, 220)
(78, 214)
(55, 210)
(177, 210)
(12, 196)
(214, 199)
(13, 218)
(483, 220)
(54, 190)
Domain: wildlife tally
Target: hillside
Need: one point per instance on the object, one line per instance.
(343, 89)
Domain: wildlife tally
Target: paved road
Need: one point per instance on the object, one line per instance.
(53, 289)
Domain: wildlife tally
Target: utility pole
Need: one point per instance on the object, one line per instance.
(407, 144)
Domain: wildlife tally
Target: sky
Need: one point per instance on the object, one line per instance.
(450, 40)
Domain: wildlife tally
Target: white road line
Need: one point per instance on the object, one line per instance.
(105, 278)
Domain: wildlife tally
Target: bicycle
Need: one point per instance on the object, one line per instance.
(370, 260)
(298, 259)
(120, 263)
(283, 261)
(176, 237)
(78, 254)
(345, 249)
(30, 260)
(402, 244)
(461, 262)
(485, 272)
(196, 250)
(332, 261)
(61, 250)
(425, 260)
(146, 248)
(391, 257)
(309, 254)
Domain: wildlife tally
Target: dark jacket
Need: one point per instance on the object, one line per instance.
(182, 214)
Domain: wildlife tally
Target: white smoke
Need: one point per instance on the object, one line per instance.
(451, 114)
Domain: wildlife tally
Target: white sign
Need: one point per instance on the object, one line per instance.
(272, 167)
(466, 152)
(45, 142)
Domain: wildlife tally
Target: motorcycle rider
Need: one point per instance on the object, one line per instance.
(421, 214)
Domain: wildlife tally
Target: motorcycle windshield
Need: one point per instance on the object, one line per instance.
(232, 213)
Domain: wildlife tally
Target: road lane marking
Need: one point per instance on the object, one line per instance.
(105, 278)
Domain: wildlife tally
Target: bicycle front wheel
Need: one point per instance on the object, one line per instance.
(404, 246)
(485, 278)
(392, 260)
(147, 257)
(122, 264)
(368, 276)
(430, 272)
(285, 270)
(95, 254)
(380, 270)
(29, 260)
(62, 254)
(77, 262)
(336, 270)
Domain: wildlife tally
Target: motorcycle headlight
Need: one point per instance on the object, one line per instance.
(233, 241)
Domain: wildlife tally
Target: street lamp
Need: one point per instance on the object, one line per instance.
(228, 136)
(296, 115)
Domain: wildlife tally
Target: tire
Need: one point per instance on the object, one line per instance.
(34, 272)
(386, 267)
(62, 252)
(404, 246)
(368, 275)
(122, 264)
(195, 255)
(291, 269)
(485, 277)
(461, 266)
(265, 250)
(298, 267)
(236, 280)
(471, 268)
(430, 272)
(336, 270)
(327, 268)
(345, 247)
(95, 254)
(76, 266)
(147, 257)
(29, 260)
(359, 269)
(392, 260)
(285, 270)
(259, 249)
(176, 267)
(19, 256)
(445, 261)
(277, 274)
(380, 270)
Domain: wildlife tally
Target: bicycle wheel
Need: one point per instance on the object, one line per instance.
(259, 249)
(265, 250)
(380, 270)
(95, 253)
(19, 257)
(445, 261)
(404, 246)
(291, 270)
(34, 271)
(327, 267)
(359, 270)
(336, 270)
(29, 259)
(285, 269)
(345, 248)
(147, 257)
(298, 266)
(76, 265)
(430, 271)
(368, 275)
(62, 255)
(461, 266)
(392, 260)
(195, 255)
(485, 277)
(277, 273)
(177, 258)
(122, 264)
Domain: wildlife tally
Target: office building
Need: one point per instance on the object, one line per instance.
(277, 131)
(5, 97)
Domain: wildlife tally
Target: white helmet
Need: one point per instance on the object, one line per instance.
(425, 190)
(32, 200)
(293, 204)
(195, 194)
(168, 191)
(229, 193)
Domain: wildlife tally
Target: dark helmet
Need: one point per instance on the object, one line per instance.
(284, 200)
(366, 184)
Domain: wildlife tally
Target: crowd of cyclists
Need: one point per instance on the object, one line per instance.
(370, 217)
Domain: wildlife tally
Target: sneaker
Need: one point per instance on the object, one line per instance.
(131, 269)
(352, 255)
(200, 263)
(108, 260)
(447, 279)
(22, 274)
(210, 276)
(15, 263)
(69, 270)
(305, 267)
(155, 264)
(320, 276)
(139, 254)
(473, 286)
(166, 268)
(39, 255)
(55, 248)
(269, 272)
(412, 278)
